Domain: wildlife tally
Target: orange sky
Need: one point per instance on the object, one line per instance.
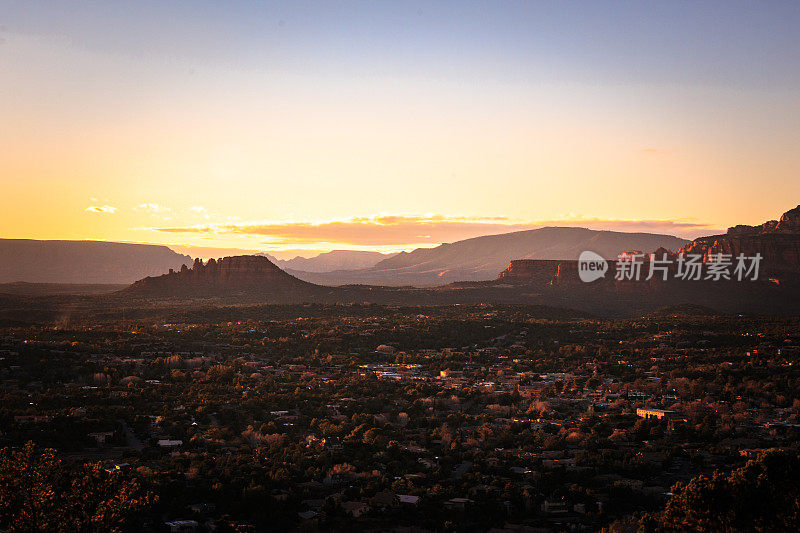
(100, 141)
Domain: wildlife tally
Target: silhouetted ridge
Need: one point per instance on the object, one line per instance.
(243, 275)
(86, 262)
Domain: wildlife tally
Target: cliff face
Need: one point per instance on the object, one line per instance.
(529, 271)
(538, 273)
(231, 276)
(778, 242)
(242, 269)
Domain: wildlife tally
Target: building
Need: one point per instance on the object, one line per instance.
(182, 526)
(355, 509)
(655, 413)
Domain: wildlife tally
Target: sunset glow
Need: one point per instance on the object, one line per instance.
(404, 266)
(270, 128)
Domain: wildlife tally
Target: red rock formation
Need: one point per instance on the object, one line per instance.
(661, 252)
(246, 274)
(529, 271)
(790, 221)
(542, 273)
(778, 242)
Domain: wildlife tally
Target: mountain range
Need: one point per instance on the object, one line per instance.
(330, 261)
(477, 259)
(544, 282)
(482, 258)
(553, 283)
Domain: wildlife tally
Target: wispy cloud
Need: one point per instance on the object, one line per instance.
(364, 231)
(101, 209)
(652, 151)
(399, 230)
(153, 208)
(686, 228)
(201, 211)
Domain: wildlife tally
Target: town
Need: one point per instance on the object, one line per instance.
(368, 417)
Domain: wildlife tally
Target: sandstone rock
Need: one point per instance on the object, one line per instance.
(230, 275)
(778, 242)
(529, 271)
(790, 221)
(662, 252)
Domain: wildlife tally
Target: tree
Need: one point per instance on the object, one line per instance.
(40, 493)
(763, 495)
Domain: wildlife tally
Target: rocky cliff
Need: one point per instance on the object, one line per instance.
(529, 271)
(540, 273)
(238, 276)
(778, 242)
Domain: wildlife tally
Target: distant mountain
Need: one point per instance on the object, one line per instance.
(86, 262)
(41, 289)
(246, 280)
(535, 277)
(330, 261)
(483, 258)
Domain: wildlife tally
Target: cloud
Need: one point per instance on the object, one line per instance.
(400, 230)
(101, 209)
(199, 210)
(686, 228)
(363, 231)
(152, 208)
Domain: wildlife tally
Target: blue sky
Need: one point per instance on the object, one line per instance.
(736, 44)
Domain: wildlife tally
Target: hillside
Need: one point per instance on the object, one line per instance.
(85, 262)
(483, 258)
(238, 278)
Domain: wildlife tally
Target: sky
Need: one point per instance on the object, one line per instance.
(306, 126)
